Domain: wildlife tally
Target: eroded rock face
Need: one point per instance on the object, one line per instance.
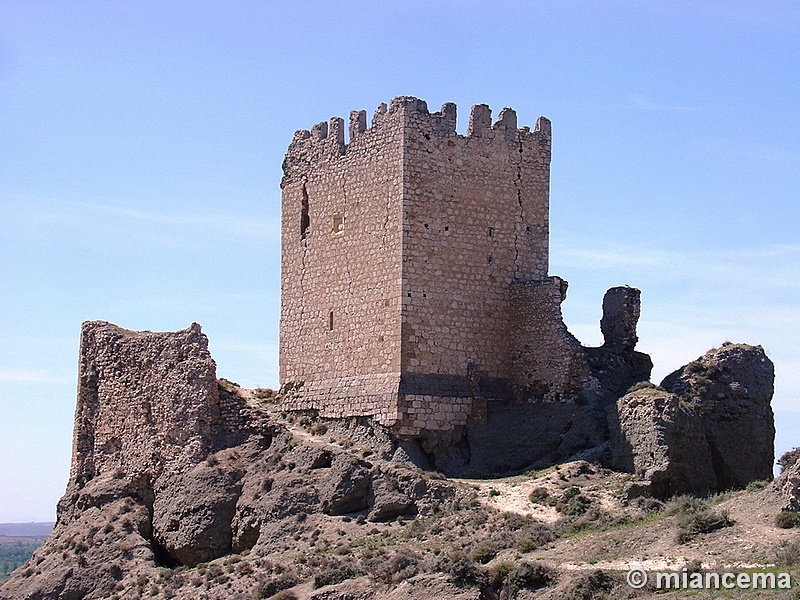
(731, 388)
(654, 436)
(709, 428)
(192, 512)
(788, 486)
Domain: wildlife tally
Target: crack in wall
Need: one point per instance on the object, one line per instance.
(517, 231)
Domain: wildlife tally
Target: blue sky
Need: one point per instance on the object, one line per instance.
(141, 144)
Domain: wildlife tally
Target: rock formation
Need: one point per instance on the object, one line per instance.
(788, 487)
(174, 468)
(616, 364)
(709, 427)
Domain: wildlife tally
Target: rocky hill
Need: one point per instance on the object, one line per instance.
(186, 486)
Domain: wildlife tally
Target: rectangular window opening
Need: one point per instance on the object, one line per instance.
(338, 224)
(330, 321)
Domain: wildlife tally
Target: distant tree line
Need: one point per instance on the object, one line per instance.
(14, 553)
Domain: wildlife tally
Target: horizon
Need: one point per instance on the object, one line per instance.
(142, 160)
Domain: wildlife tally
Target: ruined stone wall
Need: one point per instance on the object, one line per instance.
(547, 361)
(340, 279)
(147, 402)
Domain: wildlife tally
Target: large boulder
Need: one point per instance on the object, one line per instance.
(730, 388)
(192, 513)
(709, 427)
(654, 436)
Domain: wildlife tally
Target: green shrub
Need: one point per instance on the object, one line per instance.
(463, 571)
(483, 553)
(535, 536)
(529, 576)
(539, 495)
(589, 586)
(684, 505)
(573, 503)
(498, 573)
(704, 521)
(401, 565)
(787, 520)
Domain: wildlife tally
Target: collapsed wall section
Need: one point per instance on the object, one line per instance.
(147, 402)
(547, 362)
(340, 268)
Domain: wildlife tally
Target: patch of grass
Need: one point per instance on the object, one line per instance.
(756, 486)
(265, 394)
(644, 385)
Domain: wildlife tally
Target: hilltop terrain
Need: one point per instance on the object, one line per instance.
(183, 485)
(331, 509)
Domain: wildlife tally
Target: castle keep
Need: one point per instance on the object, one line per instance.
(414, 283)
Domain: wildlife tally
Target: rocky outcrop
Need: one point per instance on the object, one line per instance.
(655, 436)
(787, 485)
(731, 388)
(709, 427)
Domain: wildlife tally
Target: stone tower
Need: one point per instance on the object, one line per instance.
(414, 283)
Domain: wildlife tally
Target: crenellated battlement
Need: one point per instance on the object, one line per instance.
(325, 141)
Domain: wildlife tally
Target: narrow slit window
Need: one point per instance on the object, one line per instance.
(330, 321)
(338, 224)
(305, 220)
(491, 232)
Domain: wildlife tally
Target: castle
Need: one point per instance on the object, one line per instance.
(414, 283)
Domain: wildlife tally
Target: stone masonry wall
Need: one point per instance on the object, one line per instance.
(547, 361)
(147, 402)
(340, 279)
(476, 220)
